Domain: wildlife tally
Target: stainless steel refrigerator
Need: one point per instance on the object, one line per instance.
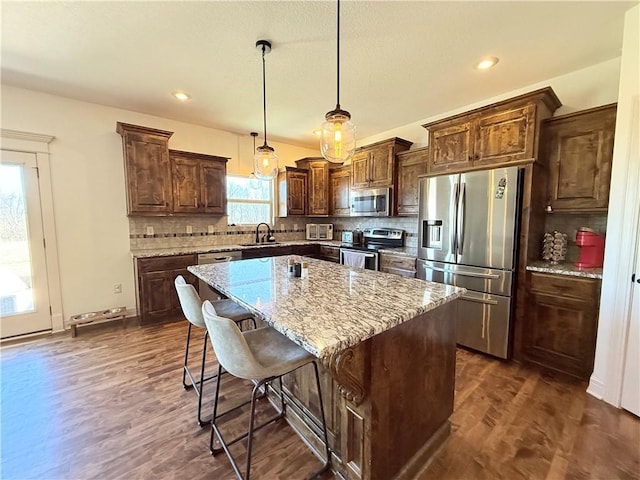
(468, 237)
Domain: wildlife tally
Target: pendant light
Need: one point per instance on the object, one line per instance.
(254, 182)
(338, 138)
(265, 160)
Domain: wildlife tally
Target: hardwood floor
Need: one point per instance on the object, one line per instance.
(109, 404)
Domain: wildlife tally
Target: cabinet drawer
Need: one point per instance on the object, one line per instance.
(158, 264)
(399, 271)
(330, 252)
(395, 261)
(584, 288)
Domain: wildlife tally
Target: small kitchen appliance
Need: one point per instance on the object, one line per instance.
(591, 248)
(319, 231)
(365, 255)
(353, 237)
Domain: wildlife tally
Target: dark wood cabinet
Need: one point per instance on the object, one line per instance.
(157, 297)
(310, 250)
(561, 322)
(373, 166)
(199, 183)
(411, 165)
(292, 191)
(147, 169)
(398, 265)
(274, 251)
(579, 150)
(500, 134)
(329, 253)
(318, 200)
(339, 191)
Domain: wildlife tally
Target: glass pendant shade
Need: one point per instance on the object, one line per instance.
(265, 163)
(338, 139)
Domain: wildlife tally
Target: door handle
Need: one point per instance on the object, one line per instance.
(453, 234)
(488, 276)
(461, 212)
(479, 300)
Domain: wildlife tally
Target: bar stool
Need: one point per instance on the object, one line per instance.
(192, 310)
(261, 355)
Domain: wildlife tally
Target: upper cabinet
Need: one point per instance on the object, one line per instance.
(199, 183)
(340, 181)
(578, 149)
(147, 169)
(500, 134)
(373, 166)
(170, 182)
(292, 191)
(318, 184)
(411, 165)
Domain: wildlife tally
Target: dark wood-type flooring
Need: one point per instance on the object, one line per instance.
(109, 404)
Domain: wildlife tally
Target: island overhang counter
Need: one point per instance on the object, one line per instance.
(387, 345)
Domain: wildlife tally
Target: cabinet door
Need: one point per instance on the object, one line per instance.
(580, 151)
(148, 175)
(156, 295)
(186, 185)
(505, 136)
(381, 163)
(410, 167)
(451, 147)
(214, 187)
(296, 193)
(318, 189)
(360, 176)
(340, 188)
(266, 252)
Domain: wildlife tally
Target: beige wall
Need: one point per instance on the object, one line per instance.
(87, 171)
(88, 175)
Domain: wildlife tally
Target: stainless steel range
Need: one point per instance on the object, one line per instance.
(365, 255)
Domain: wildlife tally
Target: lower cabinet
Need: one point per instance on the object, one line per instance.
(398, 264)
(330, 254)
(311, 250)
(267, 252)
(561, 322)
(157, 298)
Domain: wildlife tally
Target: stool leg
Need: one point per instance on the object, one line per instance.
(202, 379)
(256, 388)
(186, 357)
(215, 412)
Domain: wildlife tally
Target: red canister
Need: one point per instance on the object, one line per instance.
(591, 248)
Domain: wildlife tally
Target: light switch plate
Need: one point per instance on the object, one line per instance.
(209, 228)
(189, 229)
(149, 230)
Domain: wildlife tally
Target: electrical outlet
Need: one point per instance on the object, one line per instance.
(189, 229)
(149, 230)
(209, 228)
(117, 288)
(295, 226)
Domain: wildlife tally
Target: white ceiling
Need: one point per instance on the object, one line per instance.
(401, 62)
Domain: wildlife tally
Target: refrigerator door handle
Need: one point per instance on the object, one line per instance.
(461, 212)
(453, 233)
(492, 276)
(479, 300)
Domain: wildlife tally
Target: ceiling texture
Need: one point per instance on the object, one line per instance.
(401, 61)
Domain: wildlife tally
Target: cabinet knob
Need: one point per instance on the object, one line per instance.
(548, 208)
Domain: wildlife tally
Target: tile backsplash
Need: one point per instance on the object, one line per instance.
(197, 231)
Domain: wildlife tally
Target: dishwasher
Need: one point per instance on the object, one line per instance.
(206, 292)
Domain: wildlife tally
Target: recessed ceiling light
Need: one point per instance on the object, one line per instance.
(317, 133)
(181, 96)
(486, 63)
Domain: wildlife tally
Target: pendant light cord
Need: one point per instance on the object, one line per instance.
(264, 97)
(338, 61)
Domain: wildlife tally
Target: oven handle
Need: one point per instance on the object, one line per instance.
(466, 274)
(368, 255)
(479, 300)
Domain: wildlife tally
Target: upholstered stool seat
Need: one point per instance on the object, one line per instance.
(260, 355)
(192, 310)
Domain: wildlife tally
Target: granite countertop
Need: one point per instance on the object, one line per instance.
(163, 252)
(335, 308)
(564, 268)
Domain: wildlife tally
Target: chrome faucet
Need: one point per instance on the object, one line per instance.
(269, 233)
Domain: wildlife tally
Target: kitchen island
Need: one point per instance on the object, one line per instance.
(387, 345)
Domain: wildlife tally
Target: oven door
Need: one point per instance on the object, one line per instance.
(359, 258)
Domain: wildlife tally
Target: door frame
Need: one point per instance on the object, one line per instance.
(38, 144)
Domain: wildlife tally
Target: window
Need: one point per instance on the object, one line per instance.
(249, 200)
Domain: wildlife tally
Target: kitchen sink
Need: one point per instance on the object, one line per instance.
(258, 244)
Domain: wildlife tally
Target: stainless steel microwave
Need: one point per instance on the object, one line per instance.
(371, 202)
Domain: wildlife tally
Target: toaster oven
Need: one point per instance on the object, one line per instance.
(319, 231)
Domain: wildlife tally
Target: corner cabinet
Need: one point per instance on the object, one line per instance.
(157, 298)
(561, 322)
(339, 191)
(147, 169)
(373, 166)
(497, 135)
(579, 151)
(199, 183)
(318, 185)
(411, 165)
(292, 191)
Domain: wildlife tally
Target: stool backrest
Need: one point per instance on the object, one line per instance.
(190, 302)
(230, 346)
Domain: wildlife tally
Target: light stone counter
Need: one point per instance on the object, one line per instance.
(335, 308)
(564, 269)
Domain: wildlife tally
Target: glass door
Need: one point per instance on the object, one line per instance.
(24, 292)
